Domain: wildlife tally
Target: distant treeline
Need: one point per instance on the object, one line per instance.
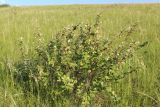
(4, 5)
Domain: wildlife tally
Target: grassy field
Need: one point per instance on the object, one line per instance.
(139, 89)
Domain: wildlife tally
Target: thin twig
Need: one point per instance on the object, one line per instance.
(147, 96)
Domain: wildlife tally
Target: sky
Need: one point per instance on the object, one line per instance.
(53, 2)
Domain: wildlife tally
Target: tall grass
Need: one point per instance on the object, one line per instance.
(139, 89)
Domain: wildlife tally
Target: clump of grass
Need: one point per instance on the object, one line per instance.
(77, 66)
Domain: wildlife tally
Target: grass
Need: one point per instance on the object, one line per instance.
(140, 89)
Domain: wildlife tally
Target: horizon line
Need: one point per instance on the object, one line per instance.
(59, 4)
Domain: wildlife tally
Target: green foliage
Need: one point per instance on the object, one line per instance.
(78, 65)
(4, 5)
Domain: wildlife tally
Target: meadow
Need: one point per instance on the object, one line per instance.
(138, 89)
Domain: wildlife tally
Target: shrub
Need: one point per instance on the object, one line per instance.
(77, 65)
(4, 5)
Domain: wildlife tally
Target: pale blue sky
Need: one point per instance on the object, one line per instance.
(52, 2)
